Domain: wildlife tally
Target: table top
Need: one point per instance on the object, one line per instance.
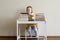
(22, 22)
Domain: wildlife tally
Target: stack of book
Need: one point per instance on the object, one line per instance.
(23, 17)
(40, 17)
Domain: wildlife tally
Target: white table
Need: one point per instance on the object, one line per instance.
(43, 32)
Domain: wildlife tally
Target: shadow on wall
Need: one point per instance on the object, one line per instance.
(10, 25)
(22, 29)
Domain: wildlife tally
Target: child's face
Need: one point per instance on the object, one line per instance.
(29, 10)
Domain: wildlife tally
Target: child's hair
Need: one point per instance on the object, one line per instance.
(29, 7)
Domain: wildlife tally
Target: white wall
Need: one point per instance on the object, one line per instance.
(9, 8)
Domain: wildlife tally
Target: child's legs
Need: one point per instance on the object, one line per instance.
(35, 30)
(29, 30)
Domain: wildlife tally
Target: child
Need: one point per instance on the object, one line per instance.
(31, 17)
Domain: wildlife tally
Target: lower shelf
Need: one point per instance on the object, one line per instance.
(31, 38)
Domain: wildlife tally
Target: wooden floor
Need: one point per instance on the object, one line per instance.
(14, 38)
(7, 37)
(53, 38)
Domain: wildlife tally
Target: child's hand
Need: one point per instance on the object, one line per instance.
(31, 14)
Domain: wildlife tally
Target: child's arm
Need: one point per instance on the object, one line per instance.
(33, 16)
